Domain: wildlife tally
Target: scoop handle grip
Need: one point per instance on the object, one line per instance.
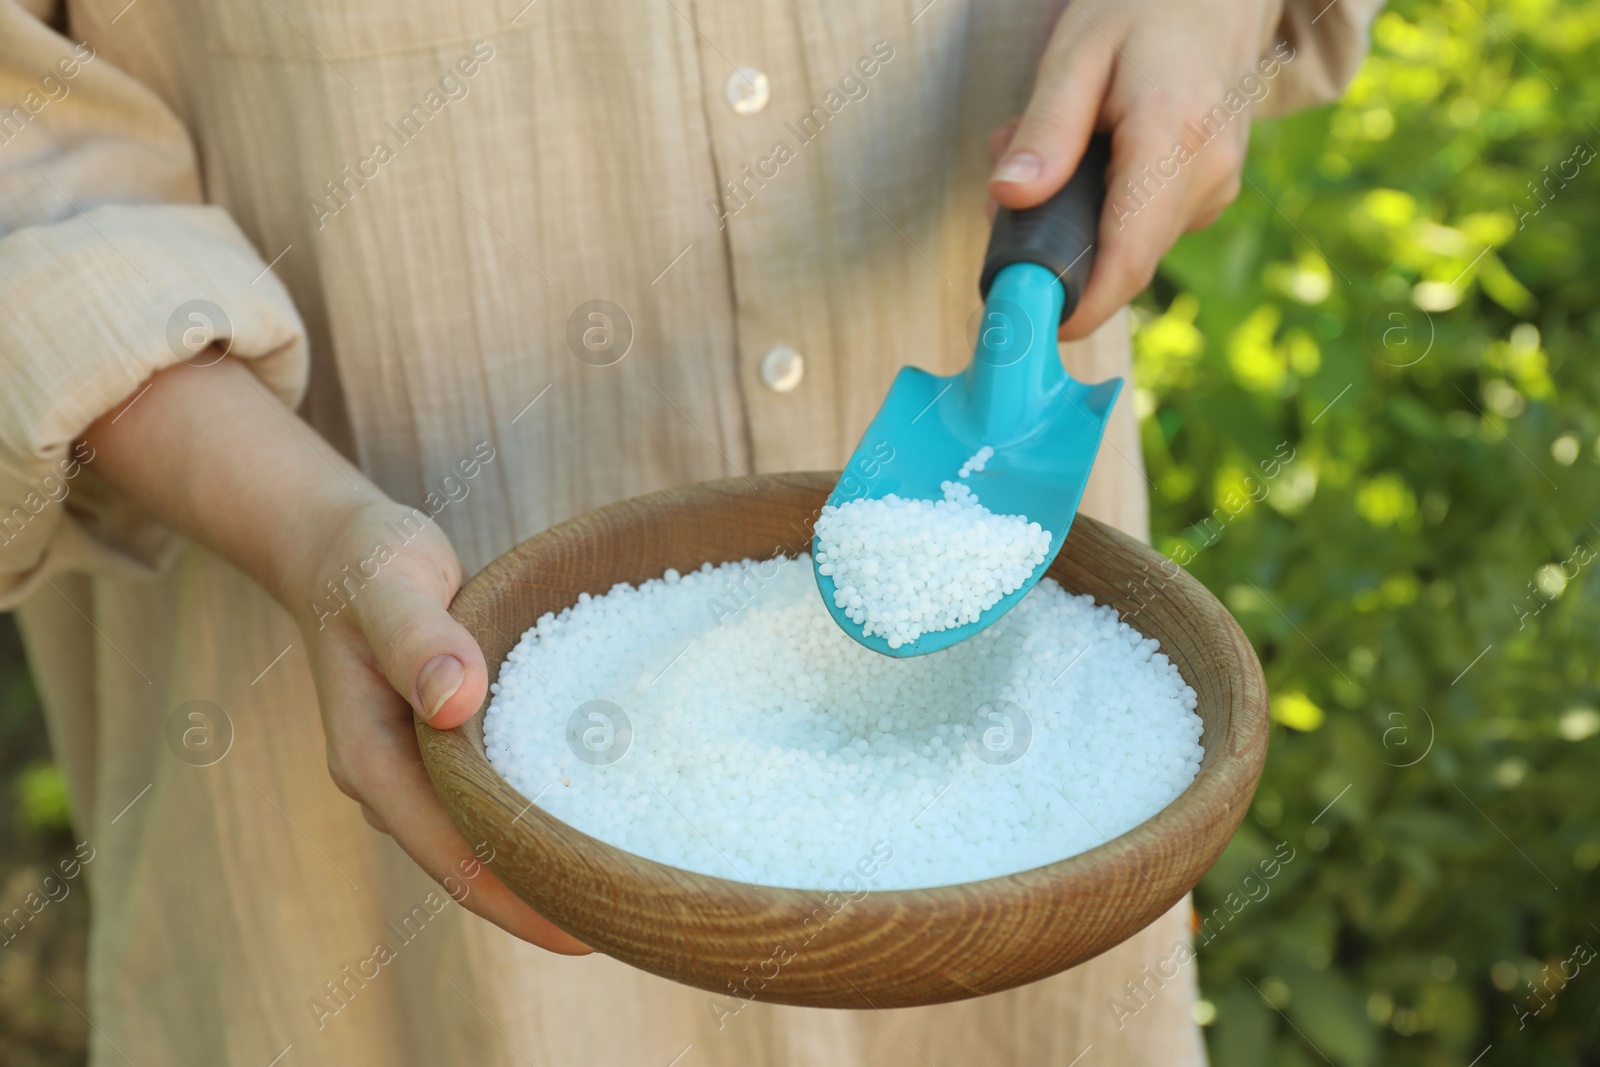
(1059, 234)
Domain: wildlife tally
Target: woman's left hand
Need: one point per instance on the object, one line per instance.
(1149, 72)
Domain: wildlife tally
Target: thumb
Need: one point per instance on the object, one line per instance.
(428, 657)
(1054, 130)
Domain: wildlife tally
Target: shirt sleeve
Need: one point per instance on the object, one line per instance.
(113, 270)
(1329, 40)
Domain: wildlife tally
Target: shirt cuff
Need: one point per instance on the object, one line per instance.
(94, 305)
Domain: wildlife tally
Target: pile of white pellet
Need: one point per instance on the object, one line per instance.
(720, 721)
(902, 568)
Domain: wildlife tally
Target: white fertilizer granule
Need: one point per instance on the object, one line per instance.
(902, 568)
(719, 721)
(977, 462)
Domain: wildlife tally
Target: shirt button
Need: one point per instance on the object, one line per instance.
(747, 90)
(782, 368)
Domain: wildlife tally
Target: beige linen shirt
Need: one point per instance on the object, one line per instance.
(395, 212)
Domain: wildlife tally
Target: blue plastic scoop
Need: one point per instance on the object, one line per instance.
(1044, 426)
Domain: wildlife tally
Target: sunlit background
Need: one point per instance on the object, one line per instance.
(1405, 297)
(1371, 413)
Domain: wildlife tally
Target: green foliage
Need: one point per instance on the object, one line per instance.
(42, 799)
(1389, 299)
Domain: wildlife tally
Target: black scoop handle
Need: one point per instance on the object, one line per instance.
(1060, 233)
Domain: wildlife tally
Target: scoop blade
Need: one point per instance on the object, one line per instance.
(926, 430)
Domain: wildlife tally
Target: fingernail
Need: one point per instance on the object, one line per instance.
(441, 676)
(1018, 167)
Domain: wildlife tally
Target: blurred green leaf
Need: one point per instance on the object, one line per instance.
(1406, 295)
(42, 799)
(1242, 1034)
(1331, 1015)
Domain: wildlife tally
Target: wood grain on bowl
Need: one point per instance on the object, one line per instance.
(882, 949)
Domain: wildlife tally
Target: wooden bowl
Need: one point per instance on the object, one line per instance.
(883, 949)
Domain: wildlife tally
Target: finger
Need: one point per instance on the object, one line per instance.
(428, 657)
(1205, 207)
(1147, 190)
(373, 820)
(374, 757)
(997, 147)
(420, 825)
(1210, 207)
(1000, 138)
(1050, 137)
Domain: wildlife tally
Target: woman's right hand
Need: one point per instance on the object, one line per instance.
(382, 646)
(208, 451)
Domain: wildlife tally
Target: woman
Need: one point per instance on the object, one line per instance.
(508, 262)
